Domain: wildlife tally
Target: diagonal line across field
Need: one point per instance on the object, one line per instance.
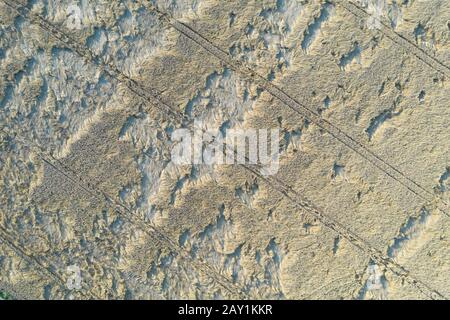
(406, 44)
(308, 208)
(6, 238)
(280, 186)
(126, 213)
(153, 99)
(358, 147)
(303, 110)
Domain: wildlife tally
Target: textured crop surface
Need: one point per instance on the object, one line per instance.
(93, 205)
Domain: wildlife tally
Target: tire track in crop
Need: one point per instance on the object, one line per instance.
(151, 97)
(406, 44)
(6, 238)
(303, 204)
(305, 111)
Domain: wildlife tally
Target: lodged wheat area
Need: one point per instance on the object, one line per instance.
(93, 205)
